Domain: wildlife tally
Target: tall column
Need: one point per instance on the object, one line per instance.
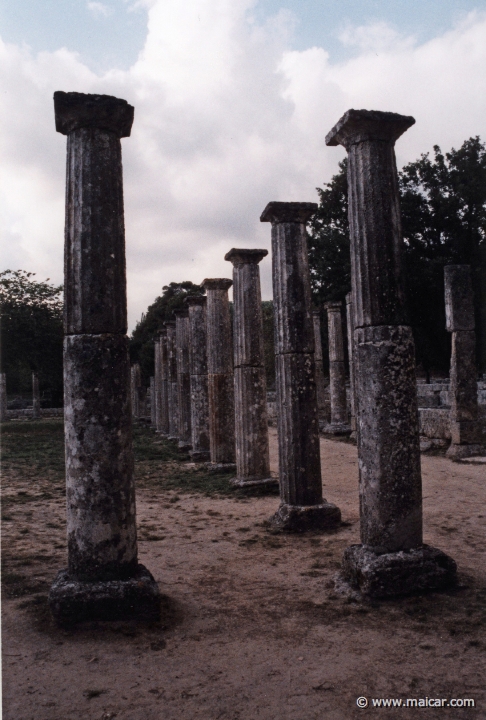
(36, 413)
(302, 505)
(251, 422)
(163, 390)
(134, 389)
(318, 357)
(3, 398)
(172, 389)
(220, 373)
(103, 579)
(183, 378)
(350, 334)
(337, 371)
(465, 426)
(392, 559)
(152, 401)
(198, 369)
(157, 382)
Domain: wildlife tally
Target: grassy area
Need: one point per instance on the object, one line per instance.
(35, 450)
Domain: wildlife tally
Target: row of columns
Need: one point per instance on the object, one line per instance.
(104, 578)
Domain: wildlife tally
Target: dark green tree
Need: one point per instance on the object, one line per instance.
(161, 310)
(31, 335)
(443, 203)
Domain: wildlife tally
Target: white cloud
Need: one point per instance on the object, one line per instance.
(226, 119)
(99, 9)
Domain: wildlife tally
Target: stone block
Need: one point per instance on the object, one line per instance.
(435, 423)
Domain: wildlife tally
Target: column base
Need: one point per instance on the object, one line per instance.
(173, 438)
(253, 482)
(335, 428)
(72, 600)
(200, 455)
(220, 467)
(458, 452)
(302, 518)
(398, 573)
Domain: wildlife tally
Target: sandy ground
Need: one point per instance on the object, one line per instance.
(253, 627)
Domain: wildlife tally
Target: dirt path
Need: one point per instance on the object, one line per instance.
(253, 628)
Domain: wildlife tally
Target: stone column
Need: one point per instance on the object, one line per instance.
(302, 505)
(392, 559)
(465, 426)
(152, 401)
(134, 389)
(220, 374)
(337, 371)
(318, 357)
(3, 398)
(198, 368)
(36, 413)
(104, 579)
(163, 391)
(350, 333)
(157, 382)
(251, 422)
(172, 389)
(183, 378)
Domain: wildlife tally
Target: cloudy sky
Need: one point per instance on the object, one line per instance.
(233, 99)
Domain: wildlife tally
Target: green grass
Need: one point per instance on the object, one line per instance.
(35, 446)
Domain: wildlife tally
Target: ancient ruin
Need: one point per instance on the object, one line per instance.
(337, 371)
(350, 338)
(392, 559)
(220, 373)
(302, 505)
(153, 420)
(252, 453)
(465, 427)
(198, 370)
(135, 384)
(103, 579)
(172, 386)
(318, 359)
(183, 378)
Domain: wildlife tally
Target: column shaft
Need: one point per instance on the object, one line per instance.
(172, 386)
(36, 413)
(183, 378)
(220, 372)
(251, 423)
(337, 371)
(352, 362)
(320, 381)
(163, 395)
(198, 367)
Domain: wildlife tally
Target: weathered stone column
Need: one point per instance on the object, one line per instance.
(318, 358)
(103, 579)
(302, 505)
(220, 373)
(198, 368)
(183, 378)
(465, 427)
(134, 389)
(350, 334)
(337, 371)
(152, 401)
(163, 391)
(36, 413)
(172, 387)
(251, 422)
(157, 382)
(392, 559)
(3, 398)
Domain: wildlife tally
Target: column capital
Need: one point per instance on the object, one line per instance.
(284, 212)
(170, 324)
(217, 283)
(333, 306)
(79, 110)
(192, 300)
(244, 256)
(358, 126)
(316, 311)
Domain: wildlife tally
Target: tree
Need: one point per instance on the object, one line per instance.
(161, 310)
(32, 334)
(443, 203)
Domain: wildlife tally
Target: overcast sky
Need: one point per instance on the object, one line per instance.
(233, 99)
